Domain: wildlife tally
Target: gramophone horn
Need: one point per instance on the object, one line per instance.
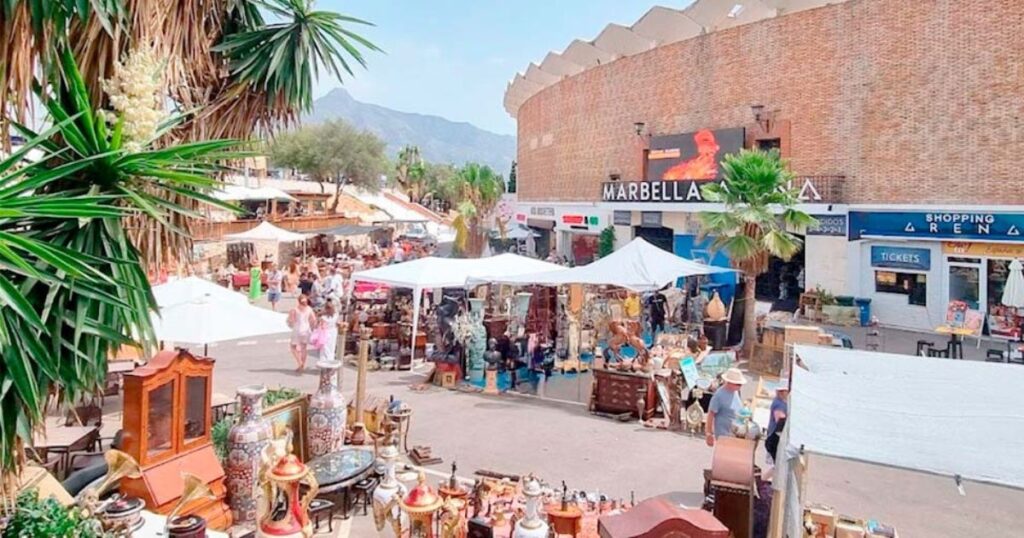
(119, 465)
(194, 488)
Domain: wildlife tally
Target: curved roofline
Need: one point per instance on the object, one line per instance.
(659, 26)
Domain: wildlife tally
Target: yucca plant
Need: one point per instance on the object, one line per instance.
(91, 294)
(757, 223)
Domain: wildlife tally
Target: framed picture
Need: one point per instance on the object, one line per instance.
(291, 416)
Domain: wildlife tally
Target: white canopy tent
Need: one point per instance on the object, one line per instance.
(433, 272)
(266, 231)
(953, 418)
(639, 266)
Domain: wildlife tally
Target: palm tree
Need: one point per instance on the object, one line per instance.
(410, 171)
(67, 264)
(232, 68)
(755, 184)
(477, 190)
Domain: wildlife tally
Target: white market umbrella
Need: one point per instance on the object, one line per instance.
(1013, 292)
(209, 319)
(267, 232)
(190, 289)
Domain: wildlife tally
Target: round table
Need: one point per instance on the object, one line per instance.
(340, 470)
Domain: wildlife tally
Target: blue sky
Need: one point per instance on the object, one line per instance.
(453, 58)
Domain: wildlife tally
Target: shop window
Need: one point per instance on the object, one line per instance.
(913, 285)
(768, 144)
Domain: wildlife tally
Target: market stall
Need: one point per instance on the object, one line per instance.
(266, 232)
(895, 410)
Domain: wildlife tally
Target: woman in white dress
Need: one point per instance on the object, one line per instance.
(329, 320)
(301, 320)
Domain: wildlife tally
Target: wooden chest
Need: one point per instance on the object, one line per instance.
(618, 392)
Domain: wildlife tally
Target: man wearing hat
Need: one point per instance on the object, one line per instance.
(724, 407)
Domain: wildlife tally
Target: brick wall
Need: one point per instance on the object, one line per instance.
(913, 101)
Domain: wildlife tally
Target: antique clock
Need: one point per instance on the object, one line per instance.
(167, 422)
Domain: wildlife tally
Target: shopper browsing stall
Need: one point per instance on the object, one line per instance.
(725, 406)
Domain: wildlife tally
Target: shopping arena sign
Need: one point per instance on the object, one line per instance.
(958, 225)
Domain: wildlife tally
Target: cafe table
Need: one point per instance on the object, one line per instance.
(64, 439)
(956, 335)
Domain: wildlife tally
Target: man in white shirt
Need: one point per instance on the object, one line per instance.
(333, 286)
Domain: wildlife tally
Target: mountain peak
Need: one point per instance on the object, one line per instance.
(440, 140)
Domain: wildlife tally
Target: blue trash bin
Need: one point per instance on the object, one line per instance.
(864, 305)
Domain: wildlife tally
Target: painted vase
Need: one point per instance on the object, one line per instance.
(246, 441)
(327, 412)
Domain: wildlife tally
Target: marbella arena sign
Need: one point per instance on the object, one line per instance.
(677, 166)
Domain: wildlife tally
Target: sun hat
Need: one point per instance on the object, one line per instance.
(734, 375)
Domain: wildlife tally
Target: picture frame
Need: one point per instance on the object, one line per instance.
(292, 415)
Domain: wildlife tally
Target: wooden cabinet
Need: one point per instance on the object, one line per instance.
(167, 423)
(618, 392)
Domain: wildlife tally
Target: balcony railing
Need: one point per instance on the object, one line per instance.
(820, 189)
(213, 231)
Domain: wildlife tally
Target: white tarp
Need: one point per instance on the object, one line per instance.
(433, 272)
(266, 231)
(949, 417)
(639, 266)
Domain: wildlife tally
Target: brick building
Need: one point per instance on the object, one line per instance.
(904, 122)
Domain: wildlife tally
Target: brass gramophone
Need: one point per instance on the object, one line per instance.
(118, 514)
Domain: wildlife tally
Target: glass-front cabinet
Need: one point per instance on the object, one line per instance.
(167, 407)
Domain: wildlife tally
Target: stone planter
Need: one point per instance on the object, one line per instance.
(327, 413)
(246, 441)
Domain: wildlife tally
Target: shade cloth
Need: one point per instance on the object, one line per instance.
(1013, 292)
(266, 231)
(940, 416)
(433, 272)
(639, 266)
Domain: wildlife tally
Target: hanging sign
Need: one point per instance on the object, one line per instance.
(650, 219)
(957, 225)
(986, 250)
(918, 259)
(622, 218)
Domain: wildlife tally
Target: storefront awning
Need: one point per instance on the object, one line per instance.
(542, 224)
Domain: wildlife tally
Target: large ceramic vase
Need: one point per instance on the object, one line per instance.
(327, 412)
(246, 441)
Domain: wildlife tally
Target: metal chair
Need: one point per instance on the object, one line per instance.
(995, 355)
(922, 348)
(938, 353)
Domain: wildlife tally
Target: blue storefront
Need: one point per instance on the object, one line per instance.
(913, 263)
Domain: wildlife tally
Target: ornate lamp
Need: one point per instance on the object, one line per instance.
(388, 494)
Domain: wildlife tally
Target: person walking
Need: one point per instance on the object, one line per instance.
(724, 407)
(329, 321)
(275, 283)
(301, 321)
(255, 283)
(776, 421)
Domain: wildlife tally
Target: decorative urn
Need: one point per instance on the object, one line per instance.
(327, 412)
(420, 504)
(284, 481)
(246, 441)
